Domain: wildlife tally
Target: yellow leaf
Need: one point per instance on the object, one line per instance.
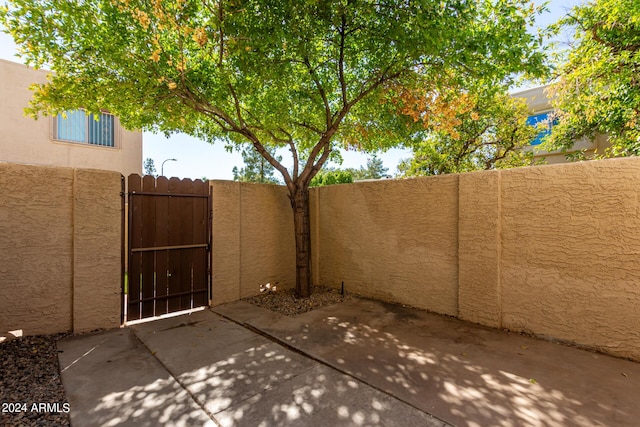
(200, 37)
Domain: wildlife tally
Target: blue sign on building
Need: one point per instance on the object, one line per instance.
(542, 117)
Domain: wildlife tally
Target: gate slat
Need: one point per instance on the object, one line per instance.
(200, 218)
(135, 241)
(148, 240)
(186, 234)
(174, 279)
(162, 239)
(166, 215)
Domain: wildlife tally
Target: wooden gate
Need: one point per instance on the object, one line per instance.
(169, 241)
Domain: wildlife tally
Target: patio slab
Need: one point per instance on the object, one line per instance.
(111, 379)
(361, 362)
(201, 369)
(244, 379)
(464, 374)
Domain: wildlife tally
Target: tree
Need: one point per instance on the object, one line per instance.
(598, 84)
(257, 168)
(330, 177)
(149, 167)
(375, 170)
(468, 129)
(307, 75)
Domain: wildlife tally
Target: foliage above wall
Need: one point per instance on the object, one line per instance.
(467, 128)
(598, 86)
(256, 168)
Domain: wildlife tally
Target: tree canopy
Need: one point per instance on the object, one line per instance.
(330, 177)
(374, 170)
(308, 75)
(468, 129)
(598, 85)
(256, 168)
(149, 166)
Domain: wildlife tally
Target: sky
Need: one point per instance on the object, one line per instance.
(198, 159)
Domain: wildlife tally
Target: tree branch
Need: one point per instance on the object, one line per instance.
(323, 95)
(616, 48)
(294, 155)
(219, 116)
(272, 160)
(218, 13)
(376, 82)
(323, 158)
(343, 84)
(337, 118)
(237, 105)
(310, 127)
(203, 106)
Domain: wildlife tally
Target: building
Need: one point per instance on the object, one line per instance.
(540, 109)
(74, 139)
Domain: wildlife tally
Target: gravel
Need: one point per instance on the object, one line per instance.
(31, 392)
(283, 301)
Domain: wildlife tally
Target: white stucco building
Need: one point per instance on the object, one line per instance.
(74, 140)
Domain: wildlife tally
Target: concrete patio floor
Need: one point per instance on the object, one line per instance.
(360, 362)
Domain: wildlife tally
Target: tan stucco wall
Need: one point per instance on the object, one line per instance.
(36, 243)
(60, 245)
(97, 221)
(550, 250)
(252, 239)
(392, 240)
(570, 249)
(25, 140)
(479, 249)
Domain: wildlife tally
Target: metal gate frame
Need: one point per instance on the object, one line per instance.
(169, 258)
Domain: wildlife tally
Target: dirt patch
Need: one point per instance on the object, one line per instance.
(283, 301)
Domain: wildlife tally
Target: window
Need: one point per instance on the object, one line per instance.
(541, 118)
(78, 126)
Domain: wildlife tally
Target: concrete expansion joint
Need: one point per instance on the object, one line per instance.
(166, 368)
(322, 362)
(182, 325)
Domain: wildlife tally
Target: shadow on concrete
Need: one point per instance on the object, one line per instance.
(360, 362)
(464, 374)
(111, 380)
(244, 379)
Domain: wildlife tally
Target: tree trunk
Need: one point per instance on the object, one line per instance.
(302, 229)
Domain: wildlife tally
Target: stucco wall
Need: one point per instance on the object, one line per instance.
(550, 250)
(252, 241)
(25, 140)
(570, 248)
(392, 240)
(97, 221)
(60, 234)
(479, 248)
